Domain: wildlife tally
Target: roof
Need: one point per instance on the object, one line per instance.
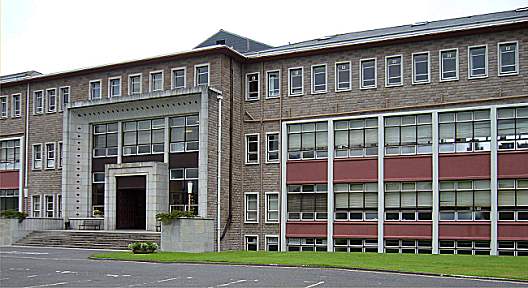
(518, 15)
(239, 43)
(18, 76)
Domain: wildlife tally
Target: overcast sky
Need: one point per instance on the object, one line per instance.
(58, 35)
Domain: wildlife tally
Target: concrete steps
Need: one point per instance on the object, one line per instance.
(87, 239)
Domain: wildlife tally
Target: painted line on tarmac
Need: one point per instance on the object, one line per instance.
(315, 284)
(234, 282)
(48, 285)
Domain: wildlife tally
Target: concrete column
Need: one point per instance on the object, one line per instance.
(284, 191)
(436, 191)
(381, 183)
(120, 142)
(330, 184)
(21, 175)
(493, 182)
(203, 153)
(166, 141)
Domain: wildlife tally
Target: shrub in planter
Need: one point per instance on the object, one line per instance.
(12, 214)
(143, 247)
(167, 218)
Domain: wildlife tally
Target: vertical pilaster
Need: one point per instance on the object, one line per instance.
(493, 182)
(381, 188)
(21, 175)
(436, 191)
(203, 154)
(166, 141)
(284, 194)
(330, 191)
(120, 142)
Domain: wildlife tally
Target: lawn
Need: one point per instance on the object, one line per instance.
(483, 266)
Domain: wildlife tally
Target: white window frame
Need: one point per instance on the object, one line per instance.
(184, 77)
(48, 110)
(266, 148)
(93, 178)
(246, 208)
(130, 83)
(289, 81)
(413, 69)
(267, 84)
(246, 150)
(208, 73)
(54, 155)
(33, 205)
(90, 89)
(5, 114)
(110, 95)
(441, 65)
(15, 113)
(247, 86)
(61, 97)
(266, 207)
(516, 58)
(387, 84)
(312, 78)
(361, 87)
(162, 80)
(470, 61)
(246, 244)
(45, 202)
(35, 111)
(271, 236)
(33, 157)
(349, 76)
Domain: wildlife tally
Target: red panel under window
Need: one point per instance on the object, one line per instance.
(473, 230)
(9, 179)
(311, 171)
(512, 230)
(408, 230)
(356, 230)
(355, 170)
(513, 164)
(306, 229)
(464, 166)
(415, 168)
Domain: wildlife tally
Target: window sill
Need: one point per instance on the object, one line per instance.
(449, 80)
(252, 100)
(508, 74)
(252, 164)
(393, 85)
(343, 90)
(318, 92)
(421, 83)
(477, 77)
(368, 87)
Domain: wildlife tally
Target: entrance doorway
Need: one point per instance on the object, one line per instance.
(131, 202)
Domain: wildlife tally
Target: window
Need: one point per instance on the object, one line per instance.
(95, 89)
(272, 207)
(408, 246)
(343, 76)
(51, 99)
(98, 177)
(319, 79)
(4, 108)
(37, 156)
(368, 73)
(272, 147)
(59, 206)
(295, 81)
(134, 84)
(178, 78)
(36, 205)
(272, 243)
(64, 97)
(421, 68)
(251, 242)
(48, 200)
(252, 148)
(513, 248)
(273, 84)
(465, 200)
(156, 81)
(114, 87)
(105, 140)
(410, 134)
(201, 75)
(448, 64)
(9, 199)
(15, 104)
(477, 61)
(356, 138)
(307, 141)
(9, 155)
(393, 71)
(408, 201)
(356, 245)
(252, 86)
(184, 133)
(307, 202)
(508, 58)
(464, 131)
(143, 137)
(512, 128)
(50, 155)
(38, 102)
(356, 201)
(252, 207)
(512, 194)
(464, 247)
(180, 179)
(307, 244)
(61, 154)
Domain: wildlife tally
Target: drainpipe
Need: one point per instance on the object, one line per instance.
(219, 172)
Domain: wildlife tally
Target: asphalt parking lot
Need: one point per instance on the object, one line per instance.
(53, 267)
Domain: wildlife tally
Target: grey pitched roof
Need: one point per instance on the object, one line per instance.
(520, 14)
(18, 76)
(239, 43)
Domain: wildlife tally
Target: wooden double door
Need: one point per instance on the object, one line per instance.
(131, 202)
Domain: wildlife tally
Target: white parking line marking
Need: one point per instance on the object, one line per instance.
(24, 253)
(32, 276)
(234, 282)
(48, 285)
(316, 284)
(166, 280)
(4, 279)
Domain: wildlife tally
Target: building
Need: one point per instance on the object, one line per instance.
(410, 139)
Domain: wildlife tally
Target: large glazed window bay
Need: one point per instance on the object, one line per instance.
(308, 141)
(184, 133)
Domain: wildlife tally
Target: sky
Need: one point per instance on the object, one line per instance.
(59, 35)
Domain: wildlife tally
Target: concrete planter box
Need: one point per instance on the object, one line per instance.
(11, 230)
(188, 235)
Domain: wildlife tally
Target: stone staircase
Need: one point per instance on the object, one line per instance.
(117, 240)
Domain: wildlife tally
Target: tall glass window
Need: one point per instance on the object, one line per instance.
(105, 140)
(343, 76)
(356, 138)
(184, 133)
(273, 84)
(9, 155)
(512, 128)
(464, 131)
(421, 69)
(307, 202)
(478, 61)
(410, 134)
(307, 141)
(356, 201)
(143, 137)
(465, 200)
